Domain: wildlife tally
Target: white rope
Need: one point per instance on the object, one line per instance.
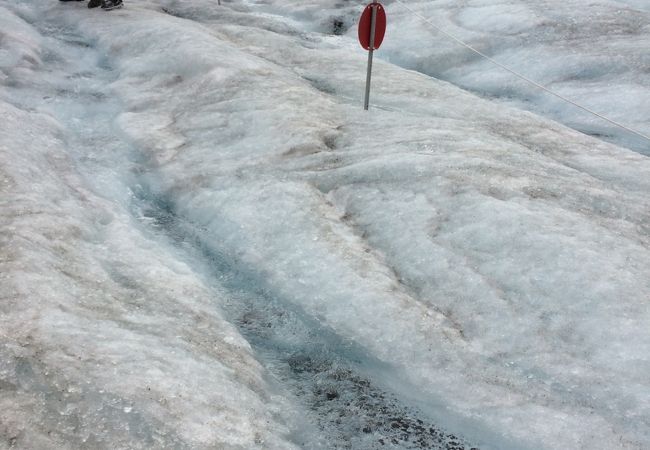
(523, 77)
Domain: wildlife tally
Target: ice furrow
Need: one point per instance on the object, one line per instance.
(107, 340)
(321, 372)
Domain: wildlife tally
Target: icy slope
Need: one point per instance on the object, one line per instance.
(594, 53)
(442, 259)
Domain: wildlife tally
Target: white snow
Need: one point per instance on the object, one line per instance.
(492, 265)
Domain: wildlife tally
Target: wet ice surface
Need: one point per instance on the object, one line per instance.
(206, 243)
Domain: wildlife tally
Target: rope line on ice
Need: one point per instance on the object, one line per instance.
(522, 77)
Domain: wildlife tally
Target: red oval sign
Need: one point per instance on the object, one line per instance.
(365, 23)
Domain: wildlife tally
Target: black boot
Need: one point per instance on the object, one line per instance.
(107, 5)
(94, 3)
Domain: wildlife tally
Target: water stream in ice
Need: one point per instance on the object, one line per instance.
(329, 379)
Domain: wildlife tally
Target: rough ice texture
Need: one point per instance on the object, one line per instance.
(492, 266)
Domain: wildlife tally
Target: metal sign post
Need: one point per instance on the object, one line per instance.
(372, 27)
